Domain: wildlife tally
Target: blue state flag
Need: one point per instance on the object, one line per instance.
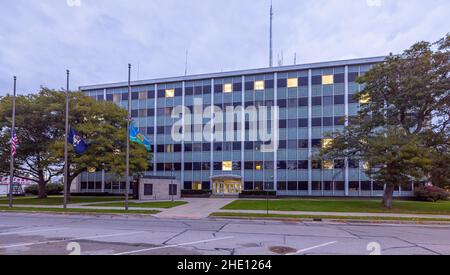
(138, 137)
(78, 143)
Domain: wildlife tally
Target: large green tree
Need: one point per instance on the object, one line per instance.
(36, 131)
(41, 127)
(404, 101)
(102, 125)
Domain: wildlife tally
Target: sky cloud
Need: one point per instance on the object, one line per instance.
(40, 39)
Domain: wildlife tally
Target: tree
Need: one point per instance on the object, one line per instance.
(102, 125)
(40, 127)
(403, 103)
(36, 131)
(439, 145)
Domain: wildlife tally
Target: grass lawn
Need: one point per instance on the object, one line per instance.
(357, 206)
(57, 200)
(83, 211)
(280, 216)
(152, 204)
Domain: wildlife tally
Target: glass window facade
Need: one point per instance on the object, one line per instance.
(312, 100)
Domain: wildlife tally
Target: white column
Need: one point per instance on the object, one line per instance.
(275, 155)
(211, 163)
(243, 130)
(346, 124)
(155, 128)
(182, 141)
(310, 132)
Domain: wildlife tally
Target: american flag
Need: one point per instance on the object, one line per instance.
(14, 142)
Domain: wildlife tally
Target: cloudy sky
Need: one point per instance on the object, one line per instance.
(40, 39)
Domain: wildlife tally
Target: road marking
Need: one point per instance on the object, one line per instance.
(311, 248)
(172, 245)
(71, 240)
(27, 232)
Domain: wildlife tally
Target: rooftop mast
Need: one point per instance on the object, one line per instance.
(271, 36)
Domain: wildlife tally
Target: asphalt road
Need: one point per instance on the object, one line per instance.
(43, 234)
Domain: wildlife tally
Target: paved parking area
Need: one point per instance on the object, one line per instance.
(38, 234)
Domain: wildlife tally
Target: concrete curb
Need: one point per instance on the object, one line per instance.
(330, 220)
(78, 213)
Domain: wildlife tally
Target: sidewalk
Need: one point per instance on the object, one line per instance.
(337, 214)
(197, 208)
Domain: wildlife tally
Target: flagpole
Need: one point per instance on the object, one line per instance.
(11, 165)
(127, 187)
(66, 153)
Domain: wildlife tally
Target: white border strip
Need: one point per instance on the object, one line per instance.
(311, 248)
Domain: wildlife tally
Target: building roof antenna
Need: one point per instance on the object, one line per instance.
(271, 36)
(138, 71)
(281, 59)
(186, 64)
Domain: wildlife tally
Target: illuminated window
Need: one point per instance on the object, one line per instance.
(365, 165)
(292, 83)
(326, 143)
(364, 99)
(259, 85)
(228, 88)
(327, 79)
(170, 93)
(258, 166)
(227, 166)
(197, 185)
(169, 148)
(328, 164)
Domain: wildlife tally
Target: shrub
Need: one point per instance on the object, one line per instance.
(259, 193)
(51, 189)
(196, 192)
(32, 190)
(431, 193)
(54, 189)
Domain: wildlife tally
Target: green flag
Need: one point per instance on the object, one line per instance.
(138, 137)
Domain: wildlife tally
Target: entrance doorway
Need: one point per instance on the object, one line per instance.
(227, 185)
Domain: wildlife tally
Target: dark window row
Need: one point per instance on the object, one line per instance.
(198, 90)
(315, 186)
(206, 185)
(206, 89)
(257, 165)
(258, 186)
(292, 185)
(315, 122)
(282, 103)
